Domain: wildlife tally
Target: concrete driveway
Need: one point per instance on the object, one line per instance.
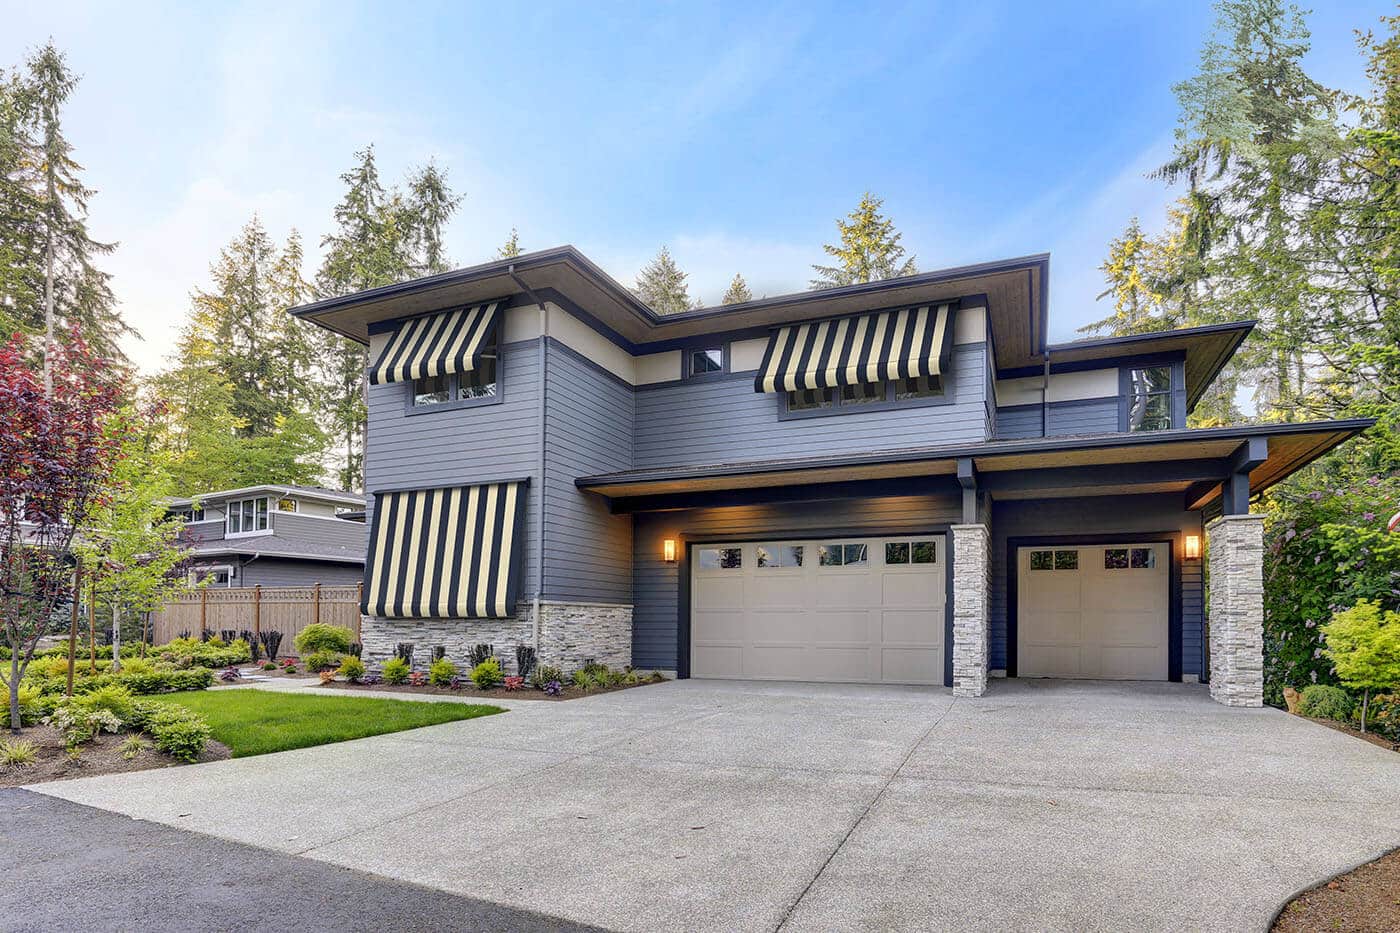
(713, 805)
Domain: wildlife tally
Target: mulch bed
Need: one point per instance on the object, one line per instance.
(100, 756)
(1366, 900)
(524, 693)
(1371, 737)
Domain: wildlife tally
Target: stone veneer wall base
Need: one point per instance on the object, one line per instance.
(1237, 609)
(972, 577)
(571, 634)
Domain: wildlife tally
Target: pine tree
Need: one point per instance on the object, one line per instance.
(428, 207)
(661, 284)
(737, 292)
(511, 248)
(51, 283)
(869, 249)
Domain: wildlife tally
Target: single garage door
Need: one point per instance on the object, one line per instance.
(858, 610)
(1097, 612)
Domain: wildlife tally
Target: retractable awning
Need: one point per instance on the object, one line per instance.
(437, 344)
(869, 348)
(447, 553)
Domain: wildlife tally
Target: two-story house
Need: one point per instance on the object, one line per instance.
(895, 482)
(275, 536)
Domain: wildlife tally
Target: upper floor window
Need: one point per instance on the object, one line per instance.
(190, 515)
(704, 360)
(286, 504)
(866, 395)
(477, 383)
(1149, 390)
(247, 516)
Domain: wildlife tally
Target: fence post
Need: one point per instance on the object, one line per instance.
(203, 611)
(316, 602)
(257, 609)
(359, 601)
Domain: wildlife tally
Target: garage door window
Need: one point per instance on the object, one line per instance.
(1122, 558)
(780, 555)
(1054, 560)
(907, 552)
(720, 558)
(842, 555)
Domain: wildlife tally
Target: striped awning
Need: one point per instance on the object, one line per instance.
(447, 553)
(437, 344)
(871, 348)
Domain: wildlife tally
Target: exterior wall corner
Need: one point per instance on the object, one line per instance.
(971, 608)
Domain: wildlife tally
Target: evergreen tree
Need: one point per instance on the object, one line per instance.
(737, 292)
(869, 249)
(511, 248)
(50, 283)
(661, 284)
(429, 206)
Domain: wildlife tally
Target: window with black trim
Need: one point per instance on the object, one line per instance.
(1149, 390)
(474, 385)
(703, 361)
(865, 395)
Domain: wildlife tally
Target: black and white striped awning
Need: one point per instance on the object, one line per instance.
(448, 553)
(871, 348)
(437, 344)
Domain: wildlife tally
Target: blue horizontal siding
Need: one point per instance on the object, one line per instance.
(1081, 416)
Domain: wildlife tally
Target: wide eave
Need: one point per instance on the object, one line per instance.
(1190, 462)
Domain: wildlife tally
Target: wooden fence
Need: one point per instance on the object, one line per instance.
(285, 609)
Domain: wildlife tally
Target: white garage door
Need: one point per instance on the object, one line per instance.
(858, 610)
(1096, 612)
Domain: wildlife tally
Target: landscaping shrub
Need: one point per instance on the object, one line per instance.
(553, 688)
(269, 665)
(79, 725)
(1384, 716)
(318, 661)
(18, 753)
(395, 671)
(212, 653)
(230, 675)
(487, 675)
(441, 673)
(116, 699)
(178, 732)
(525, 660)
(132, 747)
(32, 705)
(156, 681)
(352, 669)
(320, 636)
(1363, 643)
(478, 654)
(1324, 701)
(515, 682)
(544, 673)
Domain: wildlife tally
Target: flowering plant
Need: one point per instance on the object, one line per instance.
(514, 683)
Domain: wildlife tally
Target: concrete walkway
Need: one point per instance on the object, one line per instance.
(712, 805)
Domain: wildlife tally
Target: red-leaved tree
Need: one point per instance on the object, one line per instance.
(57, 453)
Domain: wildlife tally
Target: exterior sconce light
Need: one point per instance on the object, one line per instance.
(668, 550)
(1193, 547)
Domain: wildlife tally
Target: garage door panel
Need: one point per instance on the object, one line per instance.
(865, 622)
(1052, 660)
(1128, 662)
(1050, 627)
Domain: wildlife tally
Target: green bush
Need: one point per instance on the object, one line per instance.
(1323, 701)
(178, 732)
(318, 661)
(487, 675)
(116, 698)
(18, 753)
(543, 674)
(319, 636)
(1383, 716)
(191, 652)
(441, 672)
(395, 671)
(352, 669)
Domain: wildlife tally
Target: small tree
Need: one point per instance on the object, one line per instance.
(1363, 643)
(738, 292)
(869, 249)
(57, 454)
(661, 284)
(511, 248)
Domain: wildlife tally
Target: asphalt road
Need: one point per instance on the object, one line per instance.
(70, 867)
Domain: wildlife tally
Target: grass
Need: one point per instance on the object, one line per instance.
(256, 722)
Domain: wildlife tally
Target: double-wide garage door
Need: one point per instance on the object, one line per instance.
(858, 610)
(1096, 611)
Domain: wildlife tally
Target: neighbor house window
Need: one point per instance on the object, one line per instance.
(216, 576)
(705, 360)
(190, 515)
(247, 516)
(1149, 391)
(478, 383)
(864, 395)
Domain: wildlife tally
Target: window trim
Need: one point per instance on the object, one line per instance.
(454, 385)
(889, 403)
(228, 517)
(687, 375)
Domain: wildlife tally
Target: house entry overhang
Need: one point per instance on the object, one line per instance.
(1210, 468)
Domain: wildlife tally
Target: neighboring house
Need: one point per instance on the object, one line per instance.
(275, 536)
(901, 481)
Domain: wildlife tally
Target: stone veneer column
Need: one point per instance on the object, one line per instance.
(1237, 609)
(971, 590)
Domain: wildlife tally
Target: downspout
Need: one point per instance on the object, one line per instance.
(540, 462)
(1045, 398)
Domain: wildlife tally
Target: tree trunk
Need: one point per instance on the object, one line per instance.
(1365, 702)
(48, 282)
(116, 637)
(14, 693)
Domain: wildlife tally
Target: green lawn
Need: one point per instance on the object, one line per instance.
(255, 722)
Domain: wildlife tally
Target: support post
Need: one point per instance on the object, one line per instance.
(967, 479)
(1236, 610)
(971, 608)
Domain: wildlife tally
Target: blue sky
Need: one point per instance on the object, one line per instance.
(734, 133)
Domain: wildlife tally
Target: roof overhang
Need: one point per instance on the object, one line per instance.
(1193, 463)
(1015, 292)
(322, 495)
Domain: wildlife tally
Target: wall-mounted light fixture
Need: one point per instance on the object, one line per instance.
(668, 550)
(1193, 547)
